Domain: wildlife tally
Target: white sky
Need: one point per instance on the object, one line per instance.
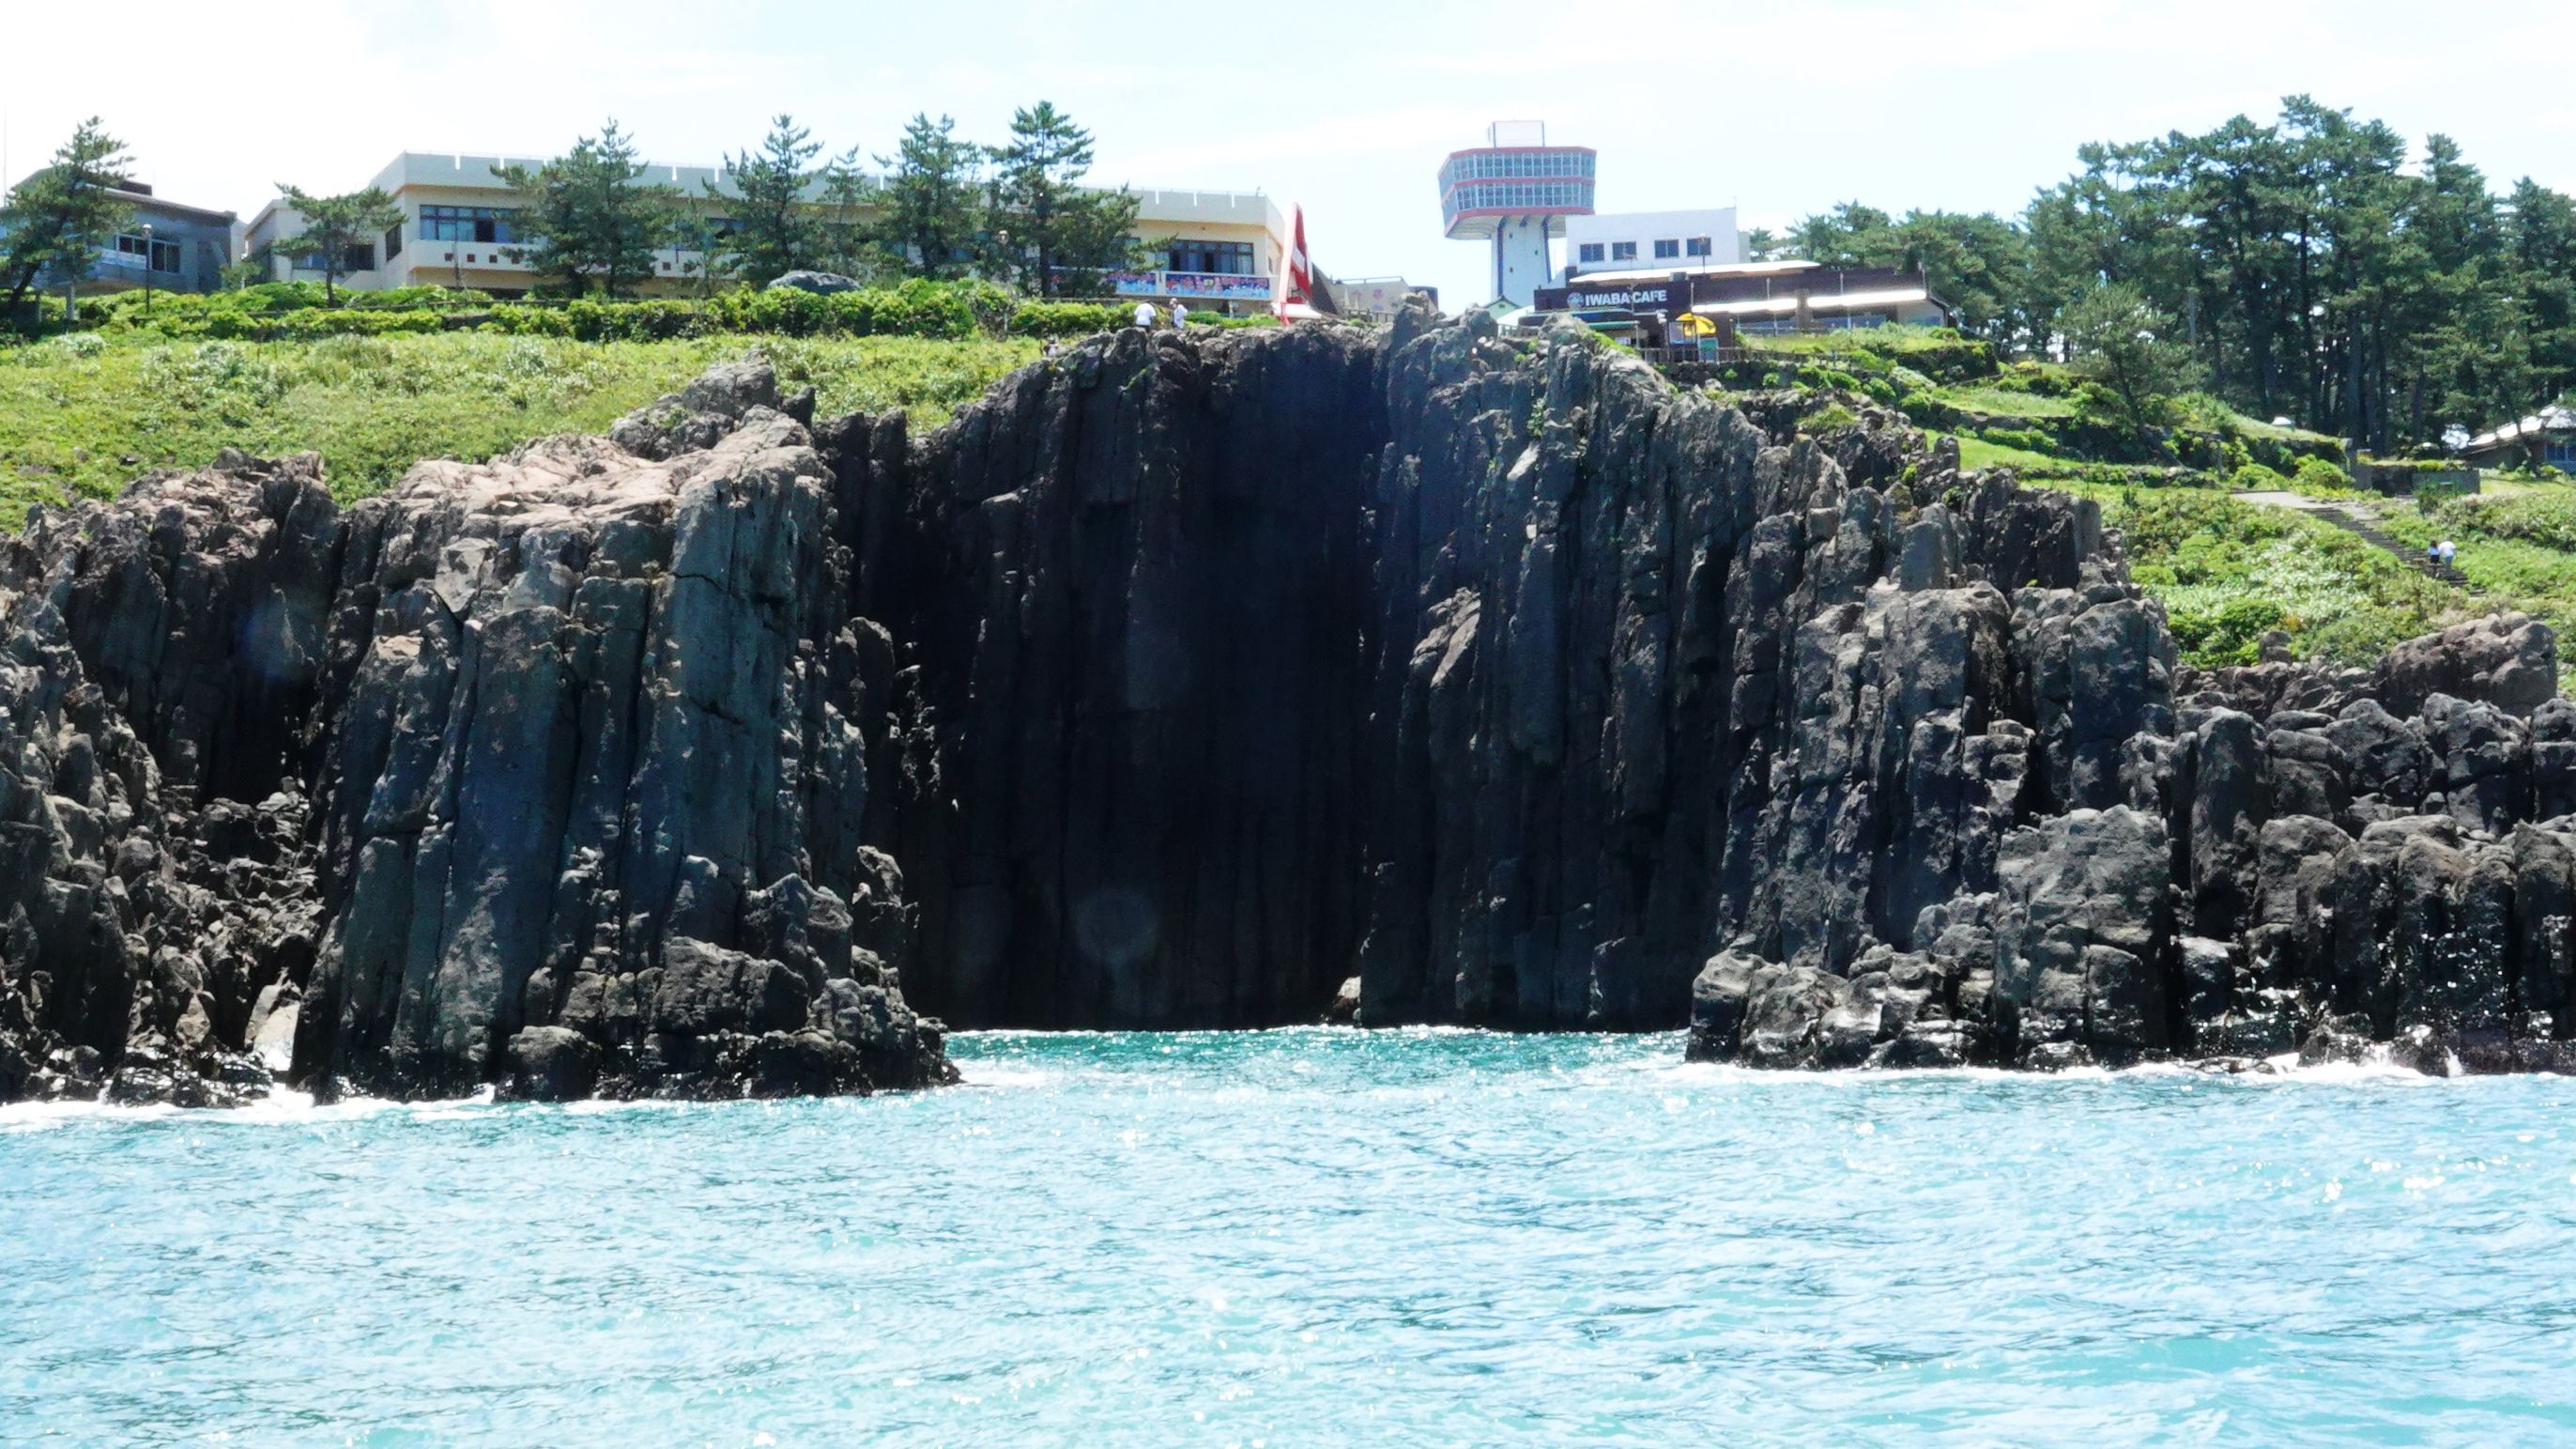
(1781, 109)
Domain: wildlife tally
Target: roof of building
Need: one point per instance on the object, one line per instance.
(2547, 420)
(137, 194)
(1704, 269)
(1816, 302)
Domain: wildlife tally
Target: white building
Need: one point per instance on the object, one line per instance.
(1661, 242)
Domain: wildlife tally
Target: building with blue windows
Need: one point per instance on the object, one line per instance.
(2546, 438)
(166, 246)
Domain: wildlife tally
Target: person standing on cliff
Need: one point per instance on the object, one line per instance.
(1145, 316)
(1180, 315)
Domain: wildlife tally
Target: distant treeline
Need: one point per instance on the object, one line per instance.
(2303, 267)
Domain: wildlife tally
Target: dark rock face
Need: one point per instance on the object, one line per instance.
(1220, 680)
(1133, 587)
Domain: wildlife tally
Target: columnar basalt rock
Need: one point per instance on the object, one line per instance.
(1429, 675)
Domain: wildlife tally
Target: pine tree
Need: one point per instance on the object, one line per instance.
(844, 238)
(1050, 233)
(333, 225)
(2123, 342)
(59, 219)
(772, 232)
(932, 188)
(590, 215)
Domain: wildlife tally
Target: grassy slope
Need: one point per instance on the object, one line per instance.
(2518, 549)
(2226, 570)
(86, 414)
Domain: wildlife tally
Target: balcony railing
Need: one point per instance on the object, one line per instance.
(1214, 286)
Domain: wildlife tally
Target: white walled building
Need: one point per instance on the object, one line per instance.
(1652, 241)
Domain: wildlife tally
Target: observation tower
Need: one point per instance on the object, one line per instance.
(1516, 191)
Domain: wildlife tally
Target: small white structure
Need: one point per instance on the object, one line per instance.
(1517, 192)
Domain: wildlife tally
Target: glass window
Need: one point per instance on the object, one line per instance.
(393, 241)
(1699, 246)
(468, 224)
(1667, 248)
(1623, 251)
(159, 256)
(1589, 252)
(1225, 258)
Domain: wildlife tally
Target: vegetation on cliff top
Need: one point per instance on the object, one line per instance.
(84, 414)
(2168, 468)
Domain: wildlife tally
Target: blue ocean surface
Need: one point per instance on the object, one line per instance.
(1313, 1237)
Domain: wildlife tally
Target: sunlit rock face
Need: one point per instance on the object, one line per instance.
(544, 774)
(1217, 680)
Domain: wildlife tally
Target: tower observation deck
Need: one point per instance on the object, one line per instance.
(1515, 192)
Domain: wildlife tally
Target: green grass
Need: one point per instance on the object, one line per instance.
(1976, 453)
(86, 414)
(2006, 402)
(1893, 340)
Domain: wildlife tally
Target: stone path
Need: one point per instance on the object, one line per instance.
(2360, 525)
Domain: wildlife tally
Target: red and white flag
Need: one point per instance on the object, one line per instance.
(1293, 298)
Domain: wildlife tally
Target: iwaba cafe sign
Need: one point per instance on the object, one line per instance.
(1662, 297)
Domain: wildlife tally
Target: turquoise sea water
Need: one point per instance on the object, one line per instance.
(1312, 1237)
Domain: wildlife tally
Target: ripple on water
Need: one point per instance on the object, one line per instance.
(1313, 1236)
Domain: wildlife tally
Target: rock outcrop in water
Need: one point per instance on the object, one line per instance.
(1177, 682)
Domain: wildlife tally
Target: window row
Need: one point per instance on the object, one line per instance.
(1488, 195)
(1226, 258)
(159, 256)
(1497, 165)
(359, 257)
(468, 224)
(1666, 249)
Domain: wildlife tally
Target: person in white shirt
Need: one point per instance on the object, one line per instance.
(2449, 552)
(1145, 315)
(1180, 314)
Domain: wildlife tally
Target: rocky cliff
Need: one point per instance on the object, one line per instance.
(1181, 679)
(545, 774)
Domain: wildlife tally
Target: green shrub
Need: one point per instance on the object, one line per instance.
(2255, 478)
(2320, 479)
(2035, 440)
(2230, 634)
